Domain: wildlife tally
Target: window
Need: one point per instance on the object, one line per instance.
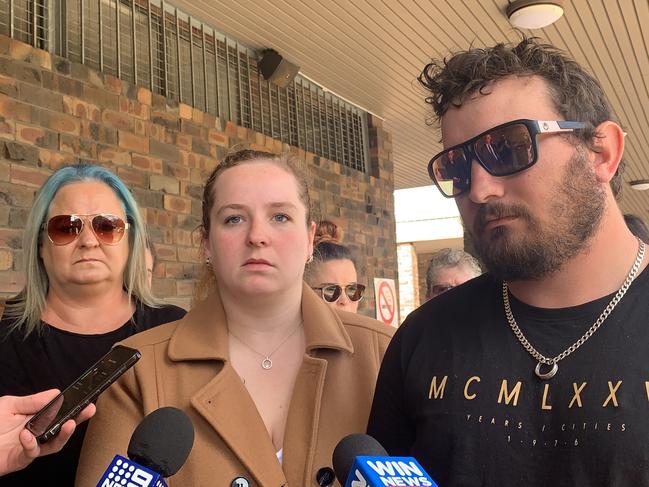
(155, 45)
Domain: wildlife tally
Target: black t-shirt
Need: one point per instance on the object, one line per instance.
(55, 358)
(458, 392)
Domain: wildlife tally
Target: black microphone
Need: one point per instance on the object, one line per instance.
(360, 461)
(158, 448)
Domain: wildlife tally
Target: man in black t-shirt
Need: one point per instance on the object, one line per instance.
(535, 373)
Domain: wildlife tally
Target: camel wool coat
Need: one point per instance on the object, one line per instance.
(185, 364)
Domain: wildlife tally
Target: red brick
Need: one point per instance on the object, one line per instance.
(135, 143)
(7, 129)
(5, 171)
(139, 110)
(132, 177)
(174, 269)
(185, 287)
(41, 58)
(184, 142)
(177, 203)
(19, 196)
(19, 50)
(218, 138)
(184, 237)
(146, 163)
(184, 111)
(163, 183)
(197, 116)
(179, 172)
(116, 156)
(164, 287)
(156, 131)
(165, 252)
(242, 133)
(81, 109)
(27, 176)
(85, 148)
(37, 136)
(13, 109)
(120, 121)
(11, 282)
(60, 122)
(6, 259)
(100, 97)
(55, 160)
(144, 96)
(113, 84)
(199, 176)
(189, 254)
(11, 238)
(8, 86)
(230, 129)
(141, 127)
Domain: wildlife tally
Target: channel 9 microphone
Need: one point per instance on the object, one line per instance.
(360, 461)
(158, 448)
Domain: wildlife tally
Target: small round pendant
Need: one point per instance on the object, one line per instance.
(266, 363)
(548, 375)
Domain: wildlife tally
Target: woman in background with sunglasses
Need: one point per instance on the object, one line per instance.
(271, 376)
(332, 274)
(86, 289)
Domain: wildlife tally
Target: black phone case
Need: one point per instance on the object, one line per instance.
(54, 428)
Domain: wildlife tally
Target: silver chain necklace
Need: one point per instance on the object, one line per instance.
(553, 362)
(266, 362)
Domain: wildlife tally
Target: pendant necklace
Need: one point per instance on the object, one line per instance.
(553, 361)
(266, 362)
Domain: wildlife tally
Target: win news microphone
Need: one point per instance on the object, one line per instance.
(360, 461)
(158, 448)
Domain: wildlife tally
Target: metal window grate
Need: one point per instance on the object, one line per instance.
(27, 21)
(153, 44)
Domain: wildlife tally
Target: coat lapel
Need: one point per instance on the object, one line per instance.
(224, 402)
(226, 405)
(323, 330)
(228, 408)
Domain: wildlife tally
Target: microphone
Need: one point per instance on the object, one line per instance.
(158, 448)
(360, 461)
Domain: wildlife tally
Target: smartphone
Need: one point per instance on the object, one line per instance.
(46, 423)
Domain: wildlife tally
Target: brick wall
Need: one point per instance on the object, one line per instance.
(408, 279)
(422, 266)
(54, 112)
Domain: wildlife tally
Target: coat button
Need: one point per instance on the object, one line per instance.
(325, 477)
(240, 482)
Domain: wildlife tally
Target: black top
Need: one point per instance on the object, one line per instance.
(55, 358)
(458, 392)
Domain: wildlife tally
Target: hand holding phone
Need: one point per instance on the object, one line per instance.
(48, 421)
(18, 447)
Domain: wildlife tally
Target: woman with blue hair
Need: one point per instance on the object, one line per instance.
(85, 289)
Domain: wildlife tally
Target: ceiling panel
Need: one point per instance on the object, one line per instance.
(371, 52)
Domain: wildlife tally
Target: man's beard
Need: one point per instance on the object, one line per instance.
(573, 218)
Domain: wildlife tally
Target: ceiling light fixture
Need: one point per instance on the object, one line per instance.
(640, 184)
(534, 14)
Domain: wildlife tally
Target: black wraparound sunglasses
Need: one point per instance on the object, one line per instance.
(502, 150)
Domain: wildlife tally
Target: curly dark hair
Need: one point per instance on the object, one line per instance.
(575, 93)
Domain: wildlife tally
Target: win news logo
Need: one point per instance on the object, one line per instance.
(123, 472)
(388, 471)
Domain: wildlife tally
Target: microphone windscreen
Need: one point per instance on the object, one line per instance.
(350, 447)
(162, 441)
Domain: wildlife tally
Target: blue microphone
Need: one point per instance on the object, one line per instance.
(158, 448)
(360, 461)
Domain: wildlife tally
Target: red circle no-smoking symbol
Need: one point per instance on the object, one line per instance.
(387, 303)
